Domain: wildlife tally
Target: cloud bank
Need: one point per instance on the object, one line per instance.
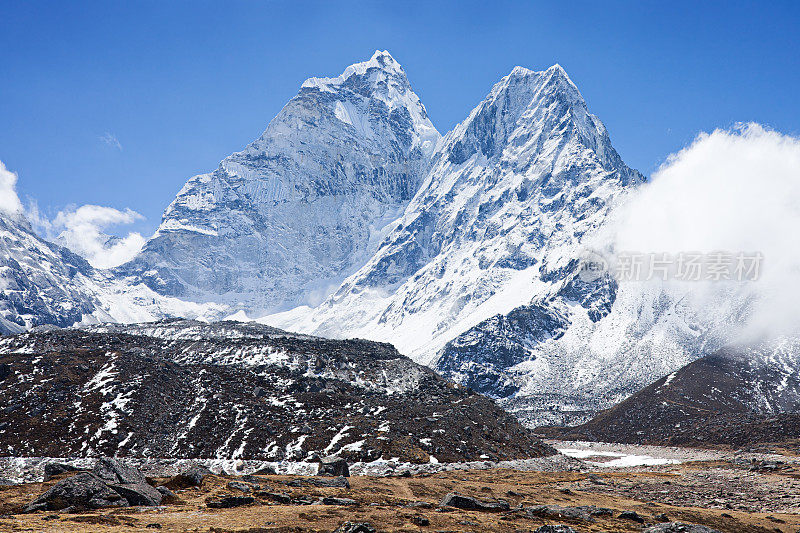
(734, 190)
(82, 231)
(9, 201)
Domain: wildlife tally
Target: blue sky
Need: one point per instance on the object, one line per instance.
(118, 103)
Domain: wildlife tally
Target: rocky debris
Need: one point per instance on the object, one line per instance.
(338, 501)
(356, 527)
(227, 502)
(334, 467)
(420, 521)
(469, 503)
(631, 515)
(339, 482)
(585, 513)
(555, 529)
(283, 499)
(244, 487)
(679, 527)
(54, 469)
(359, 391)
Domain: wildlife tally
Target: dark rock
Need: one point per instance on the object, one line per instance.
(193, 476)
(337, 482)
(82, 491)
(154, 525)
(53, 469)
(238, 485)
(226, 502)
(555, 512)
(555, 529)
(356, 527)
(631, 515)
(679, 527)
(284, 499)
(338, 501)
(113, 471)
(334, 467)
(139, 494)
(167, 496)
(460, 501)
(265, 471)
(420, 521)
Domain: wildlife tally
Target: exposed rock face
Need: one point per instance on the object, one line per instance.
(739, 395)
(305, 204)
(228, 390)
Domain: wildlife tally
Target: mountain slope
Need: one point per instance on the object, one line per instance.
(288, 218)
(737, 396)
(515, 194)
(40, 282)
(196, 390)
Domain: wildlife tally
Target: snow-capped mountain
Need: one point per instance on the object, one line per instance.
(481, 269)
(284, 221)
(42, 283)
(739, 395)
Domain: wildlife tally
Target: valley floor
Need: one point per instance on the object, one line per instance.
(727, 491)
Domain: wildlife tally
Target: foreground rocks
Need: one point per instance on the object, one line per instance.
(498, 500)
(110, 484)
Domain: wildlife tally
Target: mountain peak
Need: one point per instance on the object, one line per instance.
(380, 60)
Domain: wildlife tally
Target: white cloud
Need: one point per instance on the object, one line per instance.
(734, 190)
(111, 140)
(81, 230)
(9, 201)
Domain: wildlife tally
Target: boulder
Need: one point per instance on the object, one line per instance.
(356, 527)
(82, 491)
(226, 502)
(469, 503)
(631, 515)
(139, 494)
(167, 496)
(557, 512)
(192, 476)
(238, 485)
(333, 467)
(265, 470)
(679, 527)
(555, 529)
(54, 469)
(113, 471)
